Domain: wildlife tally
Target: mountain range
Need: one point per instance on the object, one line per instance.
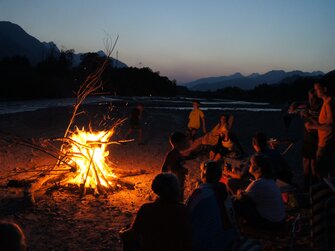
(246, 82)
(14, 41)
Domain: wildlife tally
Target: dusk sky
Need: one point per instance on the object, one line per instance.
(186, 40)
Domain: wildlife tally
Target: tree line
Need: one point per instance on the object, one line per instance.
(55, 77)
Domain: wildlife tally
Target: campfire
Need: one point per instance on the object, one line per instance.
(82, 158)
(86, 151)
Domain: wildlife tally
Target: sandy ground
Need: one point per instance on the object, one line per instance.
(61, 220)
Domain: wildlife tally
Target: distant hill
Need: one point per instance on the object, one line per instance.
(246, 82)
(14, 41)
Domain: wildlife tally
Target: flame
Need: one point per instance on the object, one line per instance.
(87, 151)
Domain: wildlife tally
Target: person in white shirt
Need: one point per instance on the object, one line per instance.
(261, 203)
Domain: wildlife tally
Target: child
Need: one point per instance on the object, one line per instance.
(195, 119)
(135, 122)
(174, 160)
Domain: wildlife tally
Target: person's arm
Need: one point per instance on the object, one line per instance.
(233, 174)
(252, 190)
(236, 175)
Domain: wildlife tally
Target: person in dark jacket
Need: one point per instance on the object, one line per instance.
(212, 216)
(162, 225)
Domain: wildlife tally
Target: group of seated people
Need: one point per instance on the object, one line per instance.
(240, 178)
(223, 145)
(209, 218)
(221, 141)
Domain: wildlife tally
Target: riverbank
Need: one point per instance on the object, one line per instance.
(61, 220)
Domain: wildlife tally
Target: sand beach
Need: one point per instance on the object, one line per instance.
(61, 220)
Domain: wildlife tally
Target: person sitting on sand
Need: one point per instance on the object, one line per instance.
(195, 119)
(163, 224)
(212, 216)
(174, 161)
(227, 146)
(261, 203)
(211, 138)
(237, 179)
(281, 168)
(12, 237)
(135, 122)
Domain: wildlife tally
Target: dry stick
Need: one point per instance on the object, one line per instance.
(88, 170)
(104, 178)
(99, 187)
(45, 151)
(91, 84)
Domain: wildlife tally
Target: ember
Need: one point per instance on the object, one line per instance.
(87, 151)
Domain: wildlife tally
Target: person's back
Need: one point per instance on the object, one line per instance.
(212, 226)
(163, 224)
(208, 232)
(267, 198)
(173, 162)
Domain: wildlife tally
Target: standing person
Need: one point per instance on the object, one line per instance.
(212, 216)
(309, 112)
(325, 155)
(195, 119)
(174, 161)
(161, 225)
(135, 122)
